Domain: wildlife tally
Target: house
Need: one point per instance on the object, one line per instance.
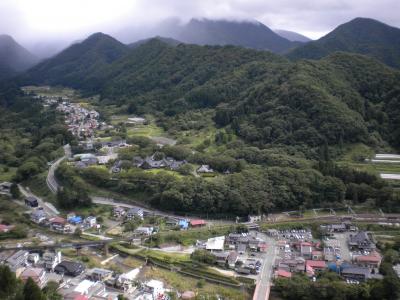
(183, 224)
(315, 265)
(334, 228)
(373, 260)
(215, 243)
(38, 275)
(98, 274)
(119, 212)
(31, 201)
(197, 223)
(126, 281)
(232, 259)
(306, 250)
(51, 259)
(361, 241)
(144, 230)
(262, 247)
(38, 216)
(70, 268)
(156, 288)
(356, 273)
(254, 219)
(17, 260)
(221, 258)
(59, 224)
(205, 169)
(134, 211)
(90, 221)
(317, 255)
(33, 258)
(89, 289)
(5, 228)
(5, 187)
(282, 274)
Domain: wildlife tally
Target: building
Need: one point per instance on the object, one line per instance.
(33, 258)
(215, 243)
(205, 169)
(373, 260)
(306, 250)
(317, 255)
(126, 281)
(197, 223)
(90, 221)
(51, 259)
(38, 275)
(75, 220)
(254, 218)
(31, 201)
(232, 259)
(315, 265)
(135, 211)
(98, 274)
(5, 187)
(282, 274)
(156, 288)
(59, 224)
(119, 212)
(70, 268)
(17, 260)
(356, 273)
(221, 258)
(144, 230)
(361, 241)
(38, 216)
(5, 228)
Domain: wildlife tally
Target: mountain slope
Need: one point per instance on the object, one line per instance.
(165, 40)
(361, 35)
(13, 57)
(292, 36)
(253, 35)
(74, 65)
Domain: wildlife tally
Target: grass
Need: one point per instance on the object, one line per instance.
(185, 283)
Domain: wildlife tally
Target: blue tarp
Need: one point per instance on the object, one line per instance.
(75, 220)
(184, 224)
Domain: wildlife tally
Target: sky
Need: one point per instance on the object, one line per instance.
(31, 22)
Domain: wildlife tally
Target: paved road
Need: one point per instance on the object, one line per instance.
(264, 283)
(51, 179)
(47, 207)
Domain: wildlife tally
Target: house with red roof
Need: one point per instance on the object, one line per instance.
(197, 223)
(317, 255)
(282, 274)
(5, 228)
(373, 260)
(313, 266)
(59, 224)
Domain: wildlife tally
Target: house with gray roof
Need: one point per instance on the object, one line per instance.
(361, 241)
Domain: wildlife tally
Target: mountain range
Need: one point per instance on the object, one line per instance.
(13, 57)
(292, 36)
(361, 35)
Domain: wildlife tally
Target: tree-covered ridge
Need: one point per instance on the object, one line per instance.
(75, 65)
(361, 35)
(29, 135)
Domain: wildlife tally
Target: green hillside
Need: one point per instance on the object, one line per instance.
(361, 35)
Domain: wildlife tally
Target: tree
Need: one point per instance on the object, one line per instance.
(32, 291)
(203, 256)
(8, 282)
(50, 291)
(15, 193)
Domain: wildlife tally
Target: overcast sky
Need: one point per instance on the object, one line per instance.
(30, 20)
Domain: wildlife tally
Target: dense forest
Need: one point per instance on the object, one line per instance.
(30, 136)
(280, 124)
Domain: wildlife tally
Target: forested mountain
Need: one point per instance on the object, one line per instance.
(74, 66)
(247, 34)
(166, 40)
(292, 36)
(361, 35)
(13, 57)
(263, 97)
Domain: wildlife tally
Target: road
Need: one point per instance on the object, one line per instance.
(51, 179)
(47, 207)
(264, 282)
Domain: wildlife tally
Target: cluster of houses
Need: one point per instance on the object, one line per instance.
(231, 251)
(75, 281)
(63, 225)
(299, 253)
(81, 122)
